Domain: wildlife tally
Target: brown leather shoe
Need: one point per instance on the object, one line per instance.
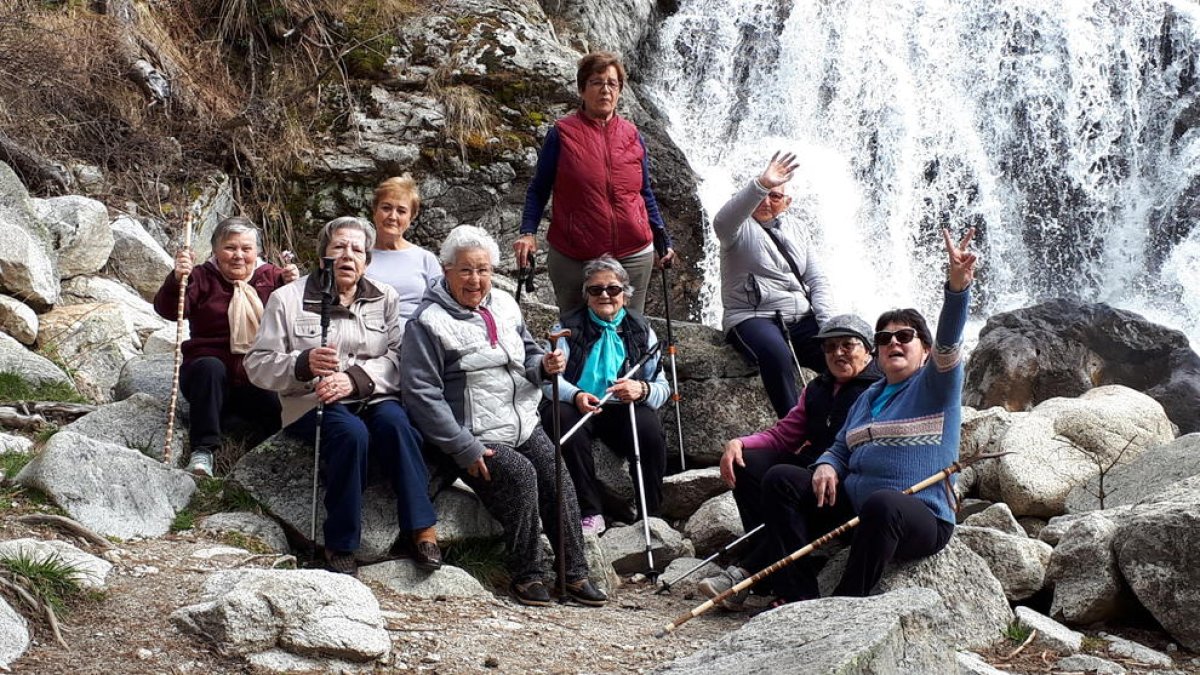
(427, 556)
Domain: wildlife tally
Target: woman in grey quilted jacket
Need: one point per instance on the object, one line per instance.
(469, 375)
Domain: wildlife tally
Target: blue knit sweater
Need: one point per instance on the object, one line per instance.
(917, 432)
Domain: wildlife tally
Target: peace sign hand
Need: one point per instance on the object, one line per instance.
(779, 170)
(962, 261)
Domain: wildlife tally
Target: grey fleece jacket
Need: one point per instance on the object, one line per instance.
(755, 278)
(461, 389)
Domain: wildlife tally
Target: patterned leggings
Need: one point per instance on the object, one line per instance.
(521, 489)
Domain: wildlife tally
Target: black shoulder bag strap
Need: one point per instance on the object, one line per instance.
(791, 262)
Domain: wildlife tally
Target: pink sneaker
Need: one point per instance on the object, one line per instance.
(593, 525)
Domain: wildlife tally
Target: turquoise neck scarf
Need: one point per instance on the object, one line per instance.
(603, 365)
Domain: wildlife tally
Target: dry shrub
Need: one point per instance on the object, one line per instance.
(469, 123)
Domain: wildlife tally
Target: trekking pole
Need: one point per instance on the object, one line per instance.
(608, 396)
(787, 338)
(666, 585)
(637, 459)
(943, 475)
(558, 470)
(183, 283)
(674, 372)
(326, 301)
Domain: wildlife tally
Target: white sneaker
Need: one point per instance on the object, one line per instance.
(201, 464)
(593, 525)
(716, 585)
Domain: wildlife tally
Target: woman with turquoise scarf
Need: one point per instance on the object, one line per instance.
(606, 338)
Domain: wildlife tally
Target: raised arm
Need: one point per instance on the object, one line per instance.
(729, 219)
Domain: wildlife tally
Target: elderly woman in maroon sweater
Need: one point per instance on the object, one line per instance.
(224, 301)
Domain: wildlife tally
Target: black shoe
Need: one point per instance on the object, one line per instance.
(427, 556)
(341, 563)
(532, 593)
(583, 592)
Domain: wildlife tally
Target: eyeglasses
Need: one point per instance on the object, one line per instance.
(615, 85)
(903, 336)
(612, 291)
(831, 346)
(468, 272)
(776, 196)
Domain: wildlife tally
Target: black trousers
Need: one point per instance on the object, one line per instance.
(614, 428)
(894, 526)
(748, 493)
(762, 342)
(211, 398)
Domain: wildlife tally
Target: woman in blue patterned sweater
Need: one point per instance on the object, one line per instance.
(903, 429)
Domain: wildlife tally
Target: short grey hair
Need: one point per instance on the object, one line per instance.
(231, 226)
(345, 223)
(466, 237)
(606, 263)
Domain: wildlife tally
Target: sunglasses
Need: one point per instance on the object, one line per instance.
(776, 196)
(612, 291)
(903, 336)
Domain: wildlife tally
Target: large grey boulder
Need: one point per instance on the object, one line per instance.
(35, 368)
(702, 353)
(1156, 469)
(312, 614)
(679, 566)
(403, 577)
(897, 632)
(90, 572)
(1128, 649)
(1051, 635)
(625, 547)
(28, 270)
(462, 516)
(717, 410)
(111, 489)
(997, 517)
(248, 524)
(1017, 561)
(18, 320)
(14, 634)
(139, 423)
(1083, 571)
(140, 313)
(683, 493)
(1065, 442)
(1064, 348)
(974, 599)
(278, 474)
(137, 259)
(715, 524)
(95, 338)
(152, 375)
(982, 431)
(81, 235)
(1156, 545)
(11, 443)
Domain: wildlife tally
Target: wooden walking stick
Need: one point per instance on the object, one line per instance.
(936, 478)
(556, 416)
(183, 283)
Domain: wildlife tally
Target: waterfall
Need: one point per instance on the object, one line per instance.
(1063, 131)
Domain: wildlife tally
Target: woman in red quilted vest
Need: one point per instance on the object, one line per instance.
(594, 163)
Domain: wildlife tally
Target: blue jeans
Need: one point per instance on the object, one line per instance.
(348, 437)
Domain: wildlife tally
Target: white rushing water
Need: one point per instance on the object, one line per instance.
(1061, 130)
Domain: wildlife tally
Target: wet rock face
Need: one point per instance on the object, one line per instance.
(1064, 348)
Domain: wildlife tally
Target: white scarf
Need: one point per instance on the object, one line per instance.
(245, 310)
